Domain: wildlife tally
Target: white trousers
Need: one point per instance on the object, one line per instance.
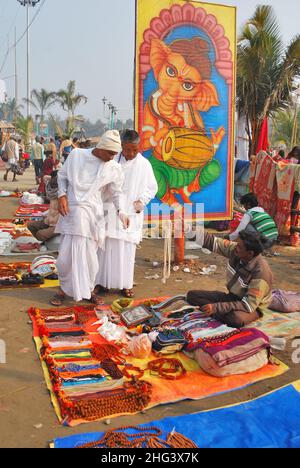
(116, 264)
(77, 266)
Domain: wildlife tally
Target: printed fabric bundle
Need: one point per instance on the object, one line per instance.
(236, 348)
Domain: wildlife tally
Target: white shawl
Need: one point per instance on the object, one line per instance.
(140, 184)
(88, 183)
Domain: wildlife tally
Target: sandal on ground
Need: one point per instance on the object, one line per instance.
(128, 293)
(96, 300)
(58, 300)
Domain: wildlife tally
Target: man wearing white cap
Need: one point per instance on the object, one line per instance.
(88, 179)
(117, 261)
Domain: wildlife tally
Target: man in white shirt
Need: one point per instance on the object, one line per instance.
(117, 261)
(11, 150)
(38, 158)
(87, 180)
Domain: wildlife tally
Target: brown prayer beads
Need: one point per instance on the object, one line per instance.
(132, 398)
(167, 368)
(149, 437)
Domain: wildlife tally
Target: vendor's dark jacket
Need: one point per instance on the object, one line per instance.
(250, 283)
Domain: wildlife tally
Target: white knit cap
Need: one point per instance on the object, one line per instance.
(110, 141)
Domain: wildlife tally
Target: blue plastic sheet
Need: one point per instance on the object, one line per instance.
(272, 421)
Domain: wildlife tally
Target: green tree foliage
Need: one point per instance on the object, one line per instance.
(41, 101)
(24, 127)
(266, 71)
(283, 123)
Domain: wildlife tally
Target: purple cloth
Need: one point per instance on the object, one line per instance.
(236, 348)
(285, 301)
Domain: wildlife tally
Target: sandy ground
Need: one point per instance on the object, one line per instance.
(24, 399)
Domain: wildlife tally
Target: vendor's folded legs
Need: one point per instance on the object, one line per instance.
(202, 298)
(235, 319)
(41, 231)
(238, 319)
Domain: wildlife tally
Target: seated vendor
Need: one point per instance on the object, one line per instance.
(45, 230)
(249, 281)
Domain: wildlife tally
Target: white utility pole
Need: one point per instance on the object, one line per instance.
(28, 3)
(16, 76)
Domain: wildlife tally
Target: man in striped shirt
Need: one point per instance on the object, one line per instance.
(258, 219)
(249, 281)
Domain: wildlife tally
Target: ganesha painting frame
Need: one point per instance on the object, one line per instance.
(185, 76)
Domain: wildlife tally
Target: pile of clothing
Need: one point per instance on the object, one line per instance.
(31, 211)
(175, 326)
(25, 244)
(4, 194)
(16, 238)
(31, 199)
(218, 349)
(5, 242)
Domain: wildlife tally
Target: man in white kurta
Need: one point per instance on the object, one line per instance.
(117, 261)
(87, 180)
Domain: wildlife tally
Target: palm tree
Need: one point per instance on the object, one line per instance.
(69, 100)
(10, 111)
(24, 127)
(283, 122)
(58, 126)
(41, 100)
(266, 72)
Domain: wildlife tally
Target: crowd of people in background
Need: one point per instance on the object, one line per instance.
(46, 155)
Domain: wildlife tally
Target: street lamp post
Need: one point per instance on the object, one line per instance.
(28, 3)
(112, 113)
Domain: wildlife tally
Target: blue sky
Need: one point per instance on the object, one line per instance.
(92, 42)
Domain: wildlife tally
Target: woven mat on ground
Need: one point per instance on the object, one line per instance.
(271, 421)
(279, 325)
(16, 270)
(194, 385)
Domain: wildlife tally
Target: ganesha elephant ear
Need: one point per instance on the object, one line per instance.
(207, 97)
(158, 55)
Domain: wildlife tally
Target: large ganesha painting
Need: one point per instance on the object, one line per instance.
(185, 76)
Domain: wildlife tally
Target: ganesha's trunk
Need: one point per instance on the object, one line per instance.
(167, 107)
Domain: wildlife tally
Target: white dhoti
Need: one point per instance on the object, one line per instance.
(116, 264)
(87, 182)
(77, 266)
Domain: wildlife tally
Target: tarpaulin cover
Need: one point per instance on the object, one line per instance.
(271, 421)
